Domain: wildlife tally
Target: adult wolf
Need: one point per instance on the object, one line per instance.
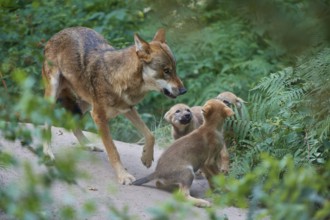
(81, 69)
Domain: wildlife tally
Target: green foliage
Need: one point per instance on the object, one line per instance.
(279, 190)
(175, 208)
(288, 115)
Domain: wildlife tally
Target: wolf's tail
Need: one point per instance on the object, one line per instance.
(144, 180)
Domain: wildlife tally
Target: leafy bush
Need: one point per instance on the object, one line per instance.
(278, 189)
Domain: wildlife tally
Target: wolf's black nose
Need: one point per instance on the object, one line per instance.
(182, 91)
(187, 116)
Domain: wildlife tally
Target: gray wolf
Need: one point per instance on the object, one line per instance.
(82, 71)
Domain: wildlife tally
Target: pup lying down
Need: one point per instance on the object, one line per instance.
(200, 149)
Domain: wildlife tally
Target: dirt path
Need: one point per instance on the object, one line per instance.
(101, 186)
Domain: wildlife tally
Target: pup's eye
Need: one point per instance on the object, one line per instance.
(227, 103)
(167, 71)
(188, 110)
(177, 111)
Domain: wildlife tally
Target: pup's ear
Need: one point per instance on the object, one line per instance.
(206, 110)
(167, 116)
(160, 36)
(229, 112)
(142, 48)
(239, 102)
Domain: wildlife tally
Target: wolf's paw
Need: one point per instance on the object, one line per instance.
(201, 203)
(147, 157)
(224, 168)
(125, 178)
(92, 147)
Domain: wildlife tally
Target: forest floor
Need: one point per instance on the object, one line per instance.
(100, 185)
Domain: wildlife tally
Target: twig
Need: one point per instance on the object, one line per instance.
(4, 83)
(308, 146)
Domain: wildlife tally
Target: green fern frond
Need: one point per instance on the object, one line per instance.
(323, 128)
(275, 83)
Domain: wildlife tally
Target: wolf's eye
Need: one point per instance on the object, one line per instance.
(177, 111)
(227, 103)
(188, 110)
(167, 71)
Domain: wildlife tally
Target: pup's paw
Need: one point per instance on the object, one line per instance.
(199, 174)
(92, 147)
(125, 178)
(224, 168)
(147, 157)
(203, 203)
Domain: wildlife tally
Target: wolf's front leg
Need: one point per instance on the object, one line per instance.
(148, 149)
(101, 121)
(224, 160)
(210, 171)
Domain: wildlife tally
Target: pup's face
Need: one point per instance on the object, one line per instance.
(159, 69)
(215, 110)
(230, 99)
(179, 115)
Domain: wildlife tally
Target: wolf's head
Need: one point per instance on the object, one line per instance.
(230, 99)
(159, 65)
(179, 115)
(215, 111)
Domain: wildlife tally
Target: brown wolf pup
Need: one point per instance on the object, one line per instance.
(81, 69)
(199, 149)
(183, 119)
(230, 99)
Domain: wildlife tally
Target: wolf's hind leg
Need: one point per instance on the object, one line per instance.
(201, 203)
(52, 79)
(84, 142)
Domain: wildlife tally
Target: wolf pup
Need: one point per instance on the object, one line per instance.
(231, 100)
(183, 119)
(81, 69)
(199, 149)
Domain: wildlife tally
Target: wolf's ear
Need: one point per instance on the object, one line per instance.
(229, 112)
(160, 36)
(142, 47)
(167, 116)
(206, 109)
(239, 102)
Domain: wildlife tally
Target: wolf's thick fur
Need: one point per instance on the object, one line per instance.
(81, 69)
(199, 149)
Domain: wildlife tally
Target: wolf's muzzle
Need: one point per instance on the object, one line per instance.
(182, 91)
